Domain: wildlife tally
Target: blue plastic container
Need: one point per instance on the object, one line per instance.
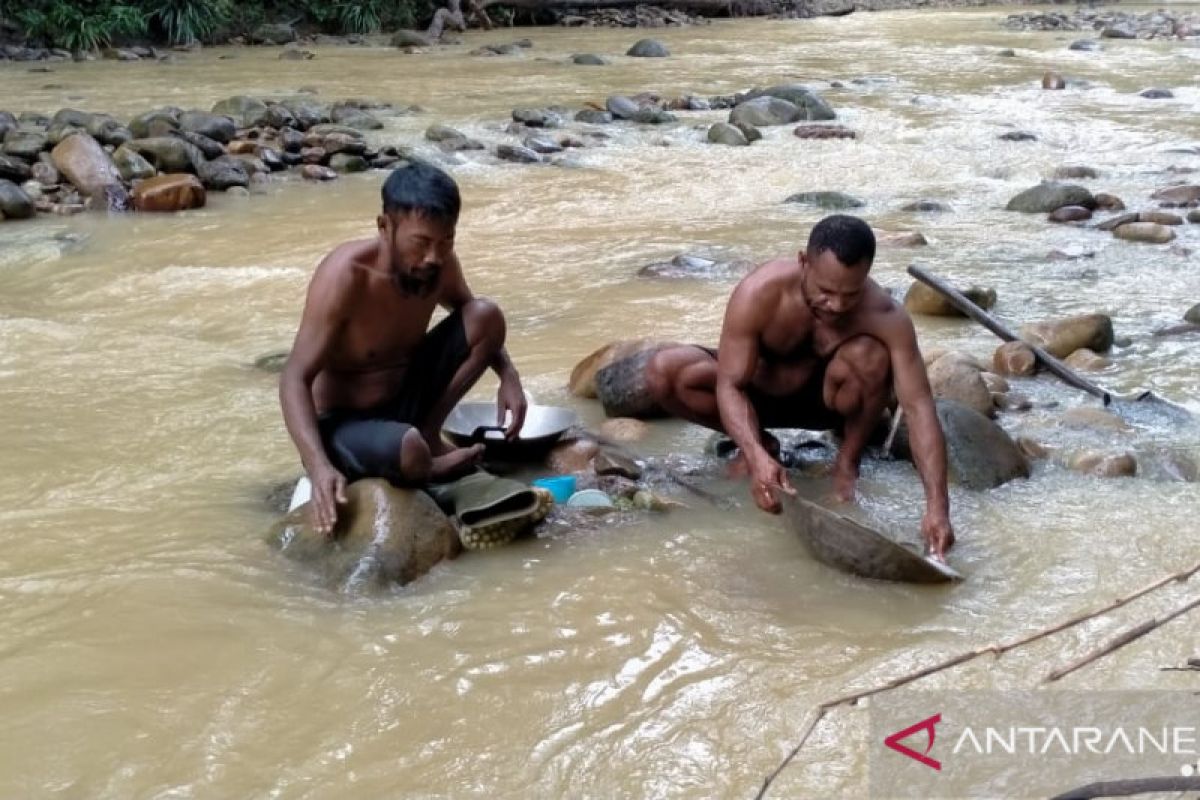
(560, 486)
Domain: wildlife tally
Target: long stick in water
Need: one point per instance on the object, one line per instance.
(963, 304)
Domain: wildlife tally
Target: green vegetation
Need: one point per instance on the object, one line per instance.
(93, 24)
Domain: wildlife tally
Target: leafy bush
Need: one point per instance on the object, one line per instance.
(183, 21)
(82, 25)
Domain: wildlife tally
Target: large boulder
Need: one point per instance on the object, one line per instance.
(1051, 196)
(14, 169)
(159, 122)
(223, 173)
(1062, 337)
(246, 112)
(812, 107)
(953, 379)
(830, 201)
(979, 453)
(648, 48)
(14, 202)
(131, 165)
(25, 143)
(86, 164)
(724, 133)
(923, 299)
(211, 148)
(583, 377)
(384, 536)
(169, 193)
(217, 127)
(1147, 232)
(1015, 358)
(764, 111)
(169, 153)
(1172, 196)
(1192, 315)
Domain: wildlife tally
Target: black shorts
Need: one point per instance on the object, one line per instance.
(365, 443)
(802, 409)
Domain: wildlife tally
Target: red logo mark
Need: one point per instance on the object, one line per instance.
(926, 725)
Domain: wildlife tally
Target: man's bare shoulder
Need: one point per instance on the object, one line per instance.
(883, 311)
(768, 276)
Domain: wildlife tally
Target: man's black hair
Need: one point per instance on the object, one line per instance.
(421, 188)
(850, 239)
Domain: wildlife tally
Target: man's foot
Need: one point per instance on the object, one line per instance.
(456, 462)
(845, 479)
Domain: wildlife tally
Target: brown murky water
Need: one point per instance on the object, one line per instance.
(150, 644)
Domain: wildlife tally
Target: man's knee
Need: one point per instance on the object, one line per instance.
(665, 371)
(484, 323)
(416, 460)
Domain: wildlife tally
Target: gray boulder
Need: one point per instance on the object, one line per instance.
(1050, 196)
(348, 162)
(14, 169)
(813, 107)
(537, 117)
(223, 173)
(169, 153)
(246, 112)
(25, 143)
(306, 114)
(724, 133)
(384, 536)
(354, 117)
(763, 111)
(517, 153)
(14, 202)
(589, 60)
(273, 33)
(648, 48)
(830, 201)
(217, 127)
(159, 122)
(979, 453)
(593, 116)
(131, 165)
(209, 147)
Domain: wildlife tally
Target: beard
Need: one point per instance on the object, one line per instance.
(419, 282)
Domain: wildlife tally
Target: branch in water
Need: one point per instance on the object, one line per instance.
(1130, 787)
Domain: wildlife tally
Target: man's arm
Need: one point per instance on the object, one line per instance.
(510, 399)
(924, 431)
(322, 319)
(737, 362)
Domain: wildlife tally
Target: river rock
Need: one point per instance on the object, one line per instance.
(1112, 223)
(517, 153)
(542, 144)
(1156, 93)
(15, 203)
(273, 33)
(1109, 202)
(159, 122)
(209, 148)
(823, 132)
(1052, 80)
(85, 164)
(1050, 196)
(996, 384)
(1018, 136)
(441, 133)
(648, 48)
(751, 133)
(764, 111)
(583, 377)
(1103, 465)
(25, 143)
(979, 453)
(315, 172)
(899, 238)
(1075, 172)
(44, 172)
(951, 379)
(410, 39)
(1148, 232)
(830, 201)
(623, 390)
(1117, 32)
(1062, 337)
(313, 155)
(1174, 196)
(724, 133)
(812, 107)
(624, 429)
(222, 174)
(1192, 315)
(1096, 419)
(384, 536)
(537, 117)
(335, 142)
(169, 154)
(610, 461)
(246, 112)
(1070, 214)
(14, 169)
(922, 299)
(348, 162)
(1160, 217)
(169, 193)
(132, 166)
(692, 267)
(1014, 358)
(594, 116)
(357, 118)
(1085, 360)
(589, 60)
(216, 127)
(1084, 45)
(7, 123)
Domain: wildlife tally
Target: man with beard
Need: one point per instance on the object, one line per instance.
(812, 342)
(367, 388)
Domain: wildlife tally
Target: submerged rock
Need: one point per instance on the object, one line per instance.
(727, 134)
(764, 111)
(648, 48)
(384, 536)
(1050, 196)
(830, 201)
(812, 107)
(1014, 358)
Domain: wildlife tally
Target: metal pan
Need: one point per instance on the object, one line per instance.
(475, 423)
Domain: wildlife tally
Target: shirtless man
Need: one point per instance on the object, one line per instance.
(366, 388)
(813, 343)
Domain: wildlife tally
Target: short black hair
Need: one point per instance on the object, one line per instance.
(421, 188)
(850, 239)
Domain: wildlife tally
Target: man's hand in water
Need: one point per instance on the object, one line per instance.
(939, 536)
(328, 491)
(511, 398)
(767, 476)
